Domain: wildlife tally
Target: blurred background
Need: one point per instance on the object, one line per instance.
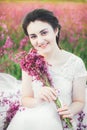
(72, 15)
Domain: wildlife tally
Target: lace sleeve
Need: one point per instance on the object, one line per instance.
(79, 81)
(80, 70)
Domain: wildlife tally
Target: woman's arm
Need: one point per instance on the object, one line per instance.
(47, 94)
(78, 97)
(28, 99)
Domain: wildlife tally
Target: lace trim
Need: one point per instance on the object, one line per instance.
(67, 70)
(70, 69)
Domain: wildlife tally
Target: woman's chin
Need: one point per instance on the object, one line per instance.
(44, 51)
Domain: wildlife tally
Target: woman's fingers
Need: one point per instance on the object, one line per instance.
(45, 98)
(64, 112)
(51, 94)
(68, 116)
(48, 94)
(54, 91)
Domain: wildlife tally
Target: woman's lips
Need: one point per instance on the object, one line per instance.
(43, 45)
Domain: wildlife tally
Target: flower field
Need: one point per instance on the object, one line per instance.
(72, 17)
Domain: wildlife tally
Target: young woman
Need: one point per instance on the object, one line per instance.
(68, 74)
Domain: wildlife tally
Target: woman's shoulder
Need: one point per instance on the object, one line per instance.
(73, 57)
(76, 62)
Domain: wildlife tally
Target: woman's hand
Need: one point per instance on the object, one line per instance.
(47, 94)
(65, 112)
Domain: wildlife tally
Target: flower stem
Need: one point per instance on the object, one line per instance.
(67, 120)
(58, 104)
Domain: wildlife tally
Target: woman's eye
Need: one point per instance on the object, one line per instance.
(32, 37)
(44, 33)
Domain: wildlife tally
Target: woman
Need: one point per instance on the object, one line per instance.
(68, 74)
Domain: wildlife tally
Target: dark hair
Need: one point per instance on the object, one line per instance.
(42, 15)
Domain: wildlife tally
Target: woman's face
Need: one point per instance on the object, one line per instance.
(42, 36)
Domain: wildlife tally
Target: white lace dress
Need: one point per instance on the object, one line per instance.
(44, 116)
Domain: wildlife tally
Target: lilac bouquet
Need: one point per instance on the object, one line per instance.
(35, 65)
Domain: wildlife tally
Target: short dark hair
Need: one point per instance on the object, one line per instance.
(42, 15)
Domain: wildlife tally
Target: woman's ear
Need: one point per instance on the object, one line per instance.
(56, 31)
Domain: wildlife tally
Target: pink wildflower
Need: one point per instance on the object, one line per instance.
(35, 65)
(2, 51)
(2, 36)
(4, 26)
(23, 42)
(8, 43)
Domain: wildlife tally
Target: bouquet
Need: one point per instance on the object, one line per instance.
(35, 65)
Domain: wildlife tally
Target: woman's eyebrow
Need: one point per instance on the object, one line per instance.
(43, 30)
(39, 32)
(32, 34)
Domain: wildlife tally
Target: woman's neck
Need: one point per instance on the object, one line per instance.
(54, 56)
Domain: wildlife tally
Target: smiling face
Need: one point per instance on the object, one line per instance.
(42, 36)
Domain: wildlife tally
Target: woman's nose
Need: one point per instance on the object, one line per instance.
(40, 40)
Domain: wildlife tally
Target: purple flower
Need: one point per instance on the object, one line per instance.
(23, 42)
(2, 36)
(4, 26)
(2, 51)
(35, 65)
(11, 102)
(13, 108)
(8, 43)
(81, 125)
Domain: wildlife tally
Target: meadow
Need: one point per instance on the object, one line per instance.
(72, 18)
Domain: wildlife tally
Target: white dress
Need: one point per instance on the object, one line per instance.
(44, 116)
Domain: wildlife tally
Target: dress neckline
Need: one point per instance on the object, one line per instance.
(65, 64)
